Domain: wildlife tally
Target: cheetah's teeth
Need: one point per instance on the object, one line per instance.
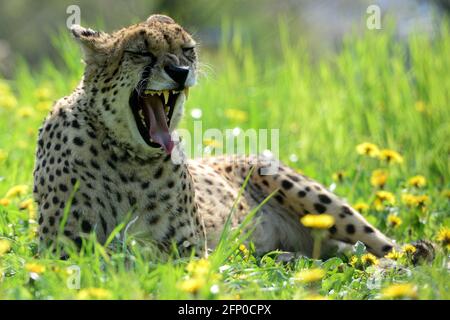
(186, 92)
(166, 96)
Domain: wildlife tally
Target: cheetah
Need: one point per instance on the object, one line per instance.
(104, 156)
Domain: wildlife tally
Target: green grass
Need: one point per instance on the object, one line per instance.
(375, 89)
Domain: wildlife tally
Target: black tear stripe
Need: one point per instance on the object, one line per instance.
(142, 84)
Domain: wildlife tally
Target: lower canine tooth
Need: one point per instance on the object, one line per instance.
(186, 92)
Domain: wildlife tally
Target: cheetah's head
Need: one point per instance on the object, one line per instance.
(139, 78)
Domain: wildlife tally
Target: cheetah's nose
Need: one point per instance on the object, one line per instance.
(178, 74)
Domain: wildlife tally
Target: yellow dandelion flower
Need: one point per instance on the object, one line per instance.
(192, 285)
(31, 132)
(386, 196)
(409, 199)
(94, 293)
(4, 87)
(212, 143)
(361, 207)
(34, 267)
(368, 149)
(409, 249)
(417, 181)
(309, 275)
(354, 261)
(394, 221)
(391, 156)
(199, 267)
(338, 176)
(423, 200)
(8, 101)
(44, 105)
(420, 106)
(5, 246)
(394, 255)
(399, 291)
(43, 93)
(415, 200)
(383, 198)
(242, 247)
(3, 155)
(378, 178)
(443, 237)
(26, 204)
(16, 191)
(22, 144)
(446, 193)
(315, 221)
(5, 202)
(236, 114)
(25, 112)
(369, 259)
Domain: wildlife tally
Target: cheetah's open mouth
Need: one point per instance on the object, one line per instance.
(152, 112)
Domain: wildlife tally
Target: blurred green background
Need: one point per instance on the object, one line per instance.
(26, 27)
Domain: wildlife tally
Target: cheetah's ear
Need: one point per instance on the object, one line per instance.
(95, 44)
(160, 18)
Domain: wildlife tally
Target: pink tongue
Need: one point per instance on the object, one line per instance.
(159, 132)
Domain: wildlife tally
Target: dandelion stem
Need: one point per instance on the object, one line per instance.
(317, 235)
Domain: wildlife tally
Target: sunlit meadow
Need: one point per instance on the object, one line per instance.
(372, 123)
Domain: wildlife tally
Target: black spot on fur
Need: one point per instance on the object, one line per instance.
(93, 151)
(78, 141)
(286, 184)
(301, 194)
(368, 229)
(324, 198)
(347, 210)
(279, 198)
(153, 219)
(158, 173)
(320, 208)
(86, 226)
(350, 229)
(293, 178)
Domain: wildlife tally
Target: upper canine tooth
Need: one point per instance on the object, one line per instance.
(166, 96)
(186, 92)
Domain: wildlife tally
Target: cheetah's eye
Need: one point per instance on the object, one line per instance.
(141, 53)
(188, 50)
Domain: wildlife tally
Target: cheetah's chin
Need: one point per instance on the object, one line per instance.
(153, 112)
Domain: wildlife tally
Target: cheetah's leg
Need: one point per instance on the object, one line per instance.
(300, 195)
